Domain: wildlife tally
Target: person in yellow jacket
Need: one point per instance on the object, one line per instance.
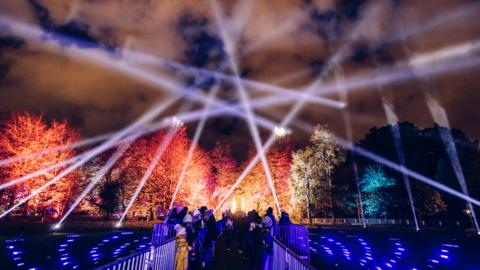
(181, 253)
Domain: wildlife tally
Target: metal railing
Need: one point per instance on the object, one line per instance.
(137, 261)
(161, 233)
(291, 251)
(161, 257)
(285, 259)
(387, 222)
(295, 238)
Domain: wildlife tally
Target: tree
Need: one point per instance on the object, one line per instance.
(375, 184)
(160, 186)
(109, 199)
(311, 173)
(254, 189)
(425, 154)
(279, 158)
(345, 195)
(255, 192)
(224, 171)
(24, 135)
(90, 203)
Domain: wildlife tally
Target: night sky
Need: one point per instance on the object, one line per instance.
(282, 42)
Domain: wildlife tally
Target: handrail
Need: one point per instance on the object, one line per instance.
(295, 256)
(131, 256)
(294, 237)
(161, 255)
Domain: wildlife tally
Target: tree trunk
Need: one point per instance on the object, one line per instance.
(331, 196)
(151, 213)
(309, 213)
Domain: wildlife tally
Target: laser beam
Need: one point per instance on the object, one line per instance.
(196, 137)
(146, 117)
(99, 57)
(158, 154)
(347, 120)
(98, 176)
(245, 99)
(332, 62)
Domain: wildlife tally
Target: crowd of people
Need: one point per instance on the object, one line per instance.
(198, 231)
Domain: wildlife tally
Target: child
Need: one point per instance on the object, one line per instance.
(181, 253)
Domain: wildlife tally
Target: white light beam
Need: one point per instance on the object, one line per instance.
(156, 158)
(196, 137)
(332, 62)
(98, 176)
(245, 99)
(148, 116)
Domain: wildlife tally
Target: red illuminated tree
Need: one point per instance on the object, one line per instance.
(280, 161)
(255, 189)
(91, 203)
(224, 171)
(24, 135)
(160, 186)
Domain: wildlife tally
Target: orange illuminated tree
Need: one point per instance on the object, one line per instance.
(255, 190)
(160, 186)
(24, 135)
(224, 171)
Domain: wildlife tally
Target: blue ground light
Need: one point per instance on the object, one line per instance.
(69, 251)
(379, 250)
(376, 249)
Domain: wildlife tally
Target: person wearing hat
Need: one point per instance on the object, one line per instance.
(267, 241)
(187, 220)
(197, 220)
(195, 249)
(181, 252)
(198, 254)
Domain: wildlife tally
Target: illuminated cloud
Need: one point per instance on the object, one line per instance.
(276, 41)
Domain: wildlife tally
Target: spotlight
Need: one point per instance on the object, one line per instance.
(118, 225)
(57, 226)
(281, 132)
(177, 122)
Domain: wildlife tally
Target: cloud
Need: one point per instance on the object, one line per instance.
(274, 41)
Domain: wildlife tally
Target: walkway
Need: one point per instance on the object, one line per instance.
(228, 260)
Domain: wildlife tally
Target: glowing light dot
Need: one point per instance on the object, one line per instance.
(177, 122)
(280, 131)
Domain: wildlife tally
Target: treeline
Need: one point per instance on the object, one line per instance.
(441, 154)
(205, 180)
(319, 180)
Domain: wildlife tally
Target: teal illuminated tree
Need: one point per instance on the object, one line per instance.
(375, 185)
